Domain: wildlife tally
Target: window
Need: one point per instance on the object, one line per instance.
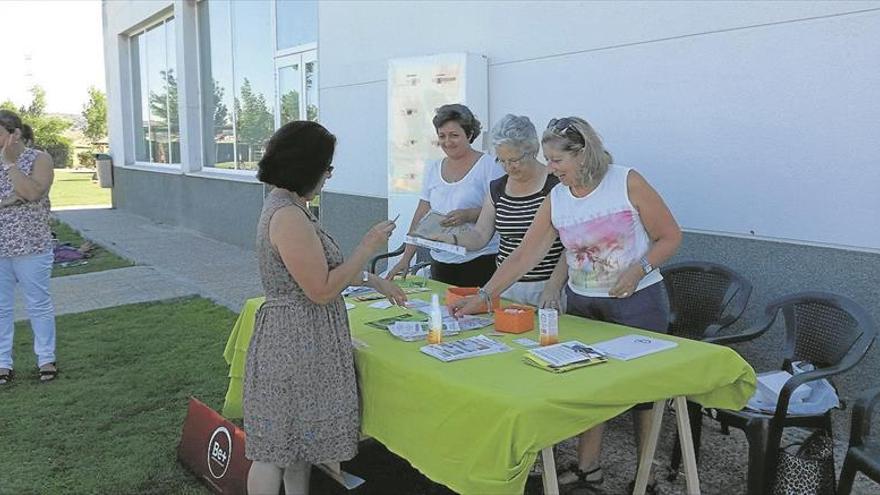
(296, 23)
(236, 54)
(154, 95)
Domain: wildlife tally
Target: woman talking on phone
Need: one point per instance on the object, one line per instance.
(25, 244)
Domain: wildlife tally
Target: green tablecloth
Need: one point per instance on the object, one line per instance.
(477, 425)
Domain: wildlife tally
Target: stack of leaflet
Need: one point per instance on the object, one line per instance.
(479, 345)
(632, 346)
(566, 356)
(411, 331)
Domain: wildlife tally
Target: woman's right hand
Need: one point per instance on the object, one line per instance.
(377, 237)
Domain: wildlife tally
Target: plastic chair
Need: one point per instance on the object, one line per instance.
(831, 332)
(423, 259)
(704, 299)
(863, 454)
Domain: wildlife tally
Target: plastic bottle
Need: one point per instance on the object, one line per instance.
(435, 333)
(548, 320)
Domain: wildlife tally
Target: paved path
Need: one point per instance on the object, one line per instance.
(172, 262)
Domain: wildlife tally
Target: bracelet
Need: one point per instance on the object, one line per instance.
(484, 295)
(455, 239)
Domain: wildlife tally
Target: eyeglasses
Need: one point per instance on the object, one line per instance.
(510, 162)
(330, 170)
(565, 128)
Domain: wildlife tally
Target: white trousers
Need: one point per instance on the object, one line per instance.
(32, 273)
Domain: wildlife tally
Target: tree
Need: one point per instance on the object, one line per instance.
(48, 129)
(289, 106)
(38, 104)
(8, 105)
(95, 113)
(221, 113)
(255, 121)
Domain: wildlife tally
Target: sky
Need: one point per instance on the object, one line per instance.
(56, 44)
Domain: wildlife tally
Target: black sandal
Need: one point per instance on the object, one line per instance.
(48, 375)
(582, 478)
(650, 489)
(6, 378)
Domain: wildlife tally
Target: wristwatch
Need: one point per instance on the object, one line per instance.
(646, 265)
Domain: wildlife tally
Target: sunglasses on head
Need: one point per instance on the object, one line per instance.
(565, 128)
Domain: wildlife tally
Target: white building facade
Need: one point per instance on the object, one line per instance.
(756, 121)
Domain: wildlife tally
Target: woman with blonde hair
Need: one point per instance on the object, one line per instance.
(616, 229)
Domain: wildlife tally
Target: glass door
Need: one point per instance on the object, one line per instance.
(296, 80)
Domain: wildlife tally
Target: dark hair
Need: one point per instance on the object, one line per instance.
(27, 135)
(460, 114)
(296, 157)
(10, 121)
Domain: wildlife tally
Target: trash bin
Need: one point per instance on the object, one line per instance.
(105, 170)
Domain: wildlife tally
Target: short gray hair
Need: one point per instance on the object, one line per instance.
(577, 134)
(516, 131)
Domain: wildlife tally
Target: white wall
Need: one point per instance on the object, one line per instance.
(750, 118)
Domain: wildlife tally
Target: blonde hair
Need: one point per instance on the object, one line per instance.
(574, 134)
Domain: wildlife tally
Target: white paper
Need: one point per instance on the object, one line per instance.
(478, 345)
(355, 290)
(349, 306)
(411, 331)
(382, 304)
(633, 346)
(348, 480)
(441, 246)
(526, 342)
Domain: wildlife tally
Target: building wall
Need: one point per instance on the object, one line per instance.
(756, 121)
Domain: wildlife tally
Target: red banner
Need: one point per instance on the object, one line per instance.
(213, 449)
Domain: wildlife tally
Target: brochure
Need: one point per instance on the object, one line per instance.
(633, 346)
(384, 323)
(564, 356)
(373, 296)
(479, 345)
(411, 331)
(428, 227)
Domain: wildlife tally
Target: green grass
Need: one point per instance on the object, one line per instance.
(77, 189)
(101, 259)
(111, 421)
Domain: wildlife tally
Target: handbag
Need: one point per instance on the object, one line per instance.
(810, 470)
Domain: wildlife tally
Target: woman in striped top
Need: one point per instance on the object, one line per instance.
(510, 208)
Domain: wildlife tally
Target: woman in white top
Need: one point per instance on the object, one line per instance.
(455, 187)
(615, 228)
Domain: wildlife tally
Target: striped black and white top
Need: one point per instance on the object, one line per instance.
(513, 216)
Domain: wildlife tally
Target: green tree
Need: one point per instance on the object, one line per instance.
(255, 121)
(48, 129)
(289, 106)
(8, 105)
(221, 113)
(95, 113)
(38, 103)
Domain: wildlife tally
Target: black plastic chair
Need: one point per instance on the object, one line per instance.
(831, 332)
(423, 259)
(704, 299)
(863, 454)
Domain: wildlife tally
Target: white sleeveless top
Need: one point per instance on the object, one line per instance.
(602, 233)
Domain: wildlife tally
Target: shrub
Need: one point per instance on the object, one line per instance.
(86, 159)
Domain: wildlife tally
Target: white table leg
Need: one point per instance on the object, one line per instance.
(650, 445)
(687, 445)
(551, 485)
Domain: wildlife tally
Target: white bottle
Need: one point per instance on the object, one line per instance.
(435, 333)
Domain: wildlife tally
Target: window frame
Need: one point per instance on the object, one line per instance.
(137, 97)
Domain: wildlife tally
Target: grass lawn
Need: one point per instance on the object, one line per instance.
(111, 421)
(77, 189)
(101, 258)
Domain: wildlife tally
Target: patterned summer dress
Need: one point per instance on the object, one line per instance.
(300, 390)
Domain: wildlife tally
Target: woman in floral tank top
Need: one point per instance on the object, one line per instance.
(25, 244)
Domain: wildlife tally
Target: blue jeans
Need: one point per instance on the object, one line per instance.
(33, 274)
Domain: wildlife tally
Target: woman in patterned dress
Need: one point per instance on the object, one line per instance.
(300, 391)
(25, 244)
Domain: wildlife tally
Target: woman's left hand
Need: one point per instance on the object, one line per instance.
(388, 289)
(551, 298)
(455, 218)
(628, 281)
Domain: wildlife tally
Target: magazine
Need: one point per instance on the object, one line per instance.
(633, 346)
(564, 356)
(479, 345)
(429, 226)
(384, 323)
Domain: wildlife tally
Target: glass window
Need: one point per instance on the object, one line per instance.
(288, 87)
(312, 91)
(297, 22)
(238, 86)
(154, 86)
